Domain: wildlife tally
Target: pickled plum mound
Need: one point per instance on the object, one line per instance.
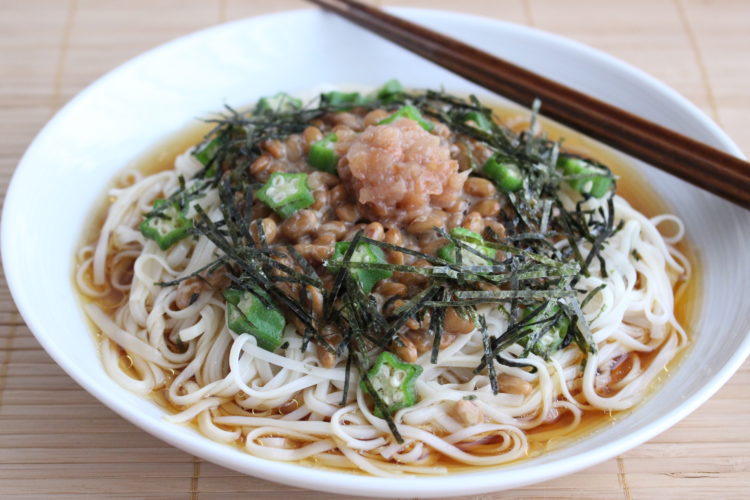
(400, 171)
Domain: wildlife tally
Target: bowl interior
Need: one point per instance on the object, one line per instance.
(67, 168)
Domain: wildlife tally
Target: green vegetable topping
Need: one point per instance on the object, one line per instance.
(365, 253)
(278, 103)
(389, 90)
(322, 154)
(246, 313)
(480, 120)
(286, 193)
(343, 100)
(206, 152)
(551, 341)
(472, 239)
(393, 380)
(167, 224)
(411, 113)
(586, 178)
(504, 172)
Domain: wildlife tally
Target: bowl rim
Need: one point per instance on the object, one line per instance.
(343, 482)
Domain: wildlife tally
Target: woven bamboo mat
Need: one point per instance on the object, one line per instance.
(51, 49)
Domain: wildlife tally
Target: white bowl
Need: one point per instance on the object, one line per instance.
(68, 166)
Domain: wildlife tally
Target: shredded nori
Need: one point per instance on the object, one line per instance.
(532, 278)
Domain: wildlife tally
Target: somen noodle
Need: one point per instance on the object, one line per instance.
(511, 286)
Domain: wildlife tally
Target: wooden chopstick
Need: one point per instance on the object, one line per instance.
(702, 165)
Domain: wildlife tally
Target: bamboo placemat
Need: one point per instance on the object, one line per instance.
(51, 49)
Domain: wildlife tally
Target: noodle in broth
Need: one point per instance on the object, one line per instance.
(286, 405)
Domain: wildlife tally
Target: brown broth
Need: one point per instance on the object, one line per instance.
(629, 185)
